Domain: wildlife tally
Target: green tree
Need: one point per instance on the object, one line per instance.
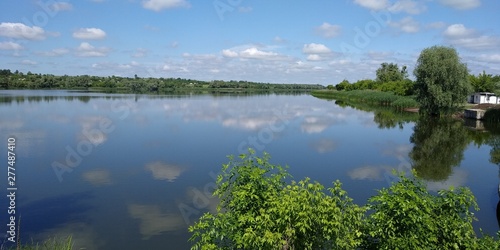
(259, 211)
(407, 216)
(441, 80)
(389, 72)
(483, 82)
(343, 85)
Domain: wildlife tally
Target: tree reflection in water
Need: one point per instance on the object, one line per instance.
(439, 146)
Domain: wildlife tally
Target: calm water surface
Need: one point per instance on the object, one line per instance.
(133, 171)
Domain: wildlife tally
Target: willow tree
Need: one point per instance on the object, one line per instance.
(442, 83)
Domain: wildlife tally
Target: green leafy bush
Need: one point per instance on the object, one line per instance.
(258, 210)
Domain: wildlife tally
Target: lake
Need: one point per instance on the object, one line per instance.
(125, 171)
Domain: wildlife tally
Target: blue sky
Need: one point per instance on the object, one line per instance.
(266, 41)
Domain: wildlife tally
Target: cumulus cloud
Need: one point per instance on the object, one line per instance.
(87, 50)
(251, 52)
(328, 30)
(159, 5)
(407, 25)
(409, 6)
(229, 53)
(315, 48)
(373, 4)
(462, 4)
(21, 31)
(257, 54)
(317, 52)
(10, 46)
(89, 34)
(461, 36)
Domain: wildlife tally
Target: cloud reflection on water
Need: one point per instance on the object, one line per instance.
(97, 177)
(153, 221)
(164, 171)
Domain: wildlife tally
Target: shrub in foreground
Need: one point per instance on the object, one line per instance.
(258, 210)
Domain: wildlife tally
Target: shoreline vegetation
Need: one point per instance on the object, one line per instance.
(136, 84)
(375, 97)
(49, 244)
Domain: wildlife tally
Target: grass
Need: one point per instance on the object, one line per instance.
(50, 244)
(369, 96)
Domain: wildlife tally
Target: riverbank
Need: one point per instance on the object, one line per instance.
(370, 96)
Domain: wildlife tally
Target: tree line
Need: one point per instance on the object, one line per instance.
(20, 80)
(442, 81)
(392, 78)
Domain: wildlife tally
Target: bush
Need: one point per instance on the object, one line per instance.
(407, 216)
(258, 210)
(492, 115)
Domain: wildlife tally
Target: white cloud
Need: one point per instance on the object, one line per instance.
(54, 52)
(490, 58)
(458, 30)
(255, 53)
(408, 6)
(89, 34)
(229, 53)
(407, 25)
(373, 4)
(29, 62)
(460, 36)
(158, 5)
(461, 4)
(328, 30)
(62, 6)
(314, 57)
(21, 31)
(315, 48)
(87, 50)
(10, 46)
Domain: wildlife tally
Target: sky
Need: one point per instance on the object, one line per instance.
(294, 41)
